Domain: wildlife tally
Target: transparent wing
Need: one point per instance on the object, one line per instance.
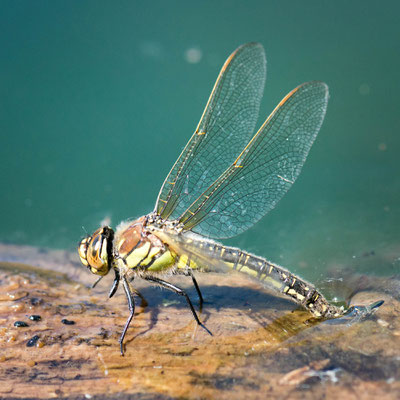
(265, 170)
(225, 127)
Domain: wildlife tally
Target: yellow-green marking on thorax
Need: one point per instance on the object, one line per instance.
(142, 250)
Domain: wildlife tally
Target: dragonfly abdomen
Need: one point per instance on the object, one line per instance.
(279, 279)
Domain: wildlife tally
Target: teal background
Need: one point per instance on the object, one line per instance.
(97, 101)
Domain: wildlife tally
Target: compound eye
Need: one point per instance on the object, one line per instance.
(82, 250)
(95, 251)
(96, 254)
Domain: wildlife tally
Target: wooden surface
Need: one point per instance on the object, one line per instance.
(261, 345)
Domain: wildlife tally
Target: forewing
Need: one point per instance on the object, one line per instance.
(225, 127)
(265, 170)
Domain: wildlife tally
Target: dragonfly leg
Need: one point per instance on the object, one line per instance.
(114, 287)
(188, 272)
(97, 281)
(197, 288)
(179, 291)
(131, 304)
(144, 301)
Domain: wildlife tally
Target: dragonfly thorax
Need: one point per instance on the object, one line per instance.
(137, 246)
(155, 221)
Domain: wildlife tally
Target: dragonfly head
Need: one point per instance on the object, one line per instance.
(96, 252)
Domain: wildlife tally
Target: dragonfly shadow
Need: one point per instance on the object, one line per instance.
(258, 304)
(217, 298)
(278, 318)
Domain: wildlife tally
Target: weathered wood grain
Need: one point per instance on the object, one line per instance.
(261, 346)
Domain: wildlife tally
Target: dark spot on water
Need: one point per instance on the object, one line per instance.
(67, 321)
(20, 324)
(35, 301)
(35, 317)
(32, 341)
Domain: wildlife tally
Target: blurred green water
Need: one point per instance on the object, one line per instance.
(98, 99)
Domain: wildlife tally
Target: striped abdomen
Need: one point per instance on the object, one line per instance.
(272, 276)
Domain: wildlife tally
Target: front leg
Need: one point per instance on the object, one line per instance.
(131, 304)
(114, 287)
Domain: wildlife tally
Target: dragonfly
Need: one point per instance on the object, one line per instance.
(224, 181)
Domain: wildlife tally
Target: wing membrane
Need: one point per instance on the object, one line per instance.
(265, 170)
(225, 127)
